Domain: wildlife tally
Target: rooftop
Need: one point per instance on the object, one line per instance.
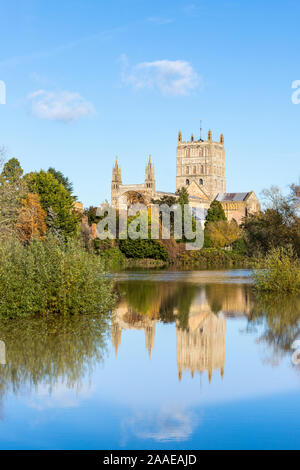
(223, 197)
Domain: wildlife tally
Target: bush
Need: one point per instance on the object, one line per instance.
(239, 246)
(51, 277)
(143, 249)
(213, 258)
(281, 273)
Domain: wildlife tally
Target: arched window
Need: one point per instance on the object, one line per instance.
(187, 152)
(202, 169)
(187, 170)
(187, 182)
(201, 181)
(194, 170)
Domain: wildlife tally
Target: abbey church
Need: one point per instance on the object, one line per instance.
(201, 170)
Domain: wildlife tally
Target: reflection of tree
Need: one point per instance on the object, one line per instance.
(159, 300)
(143, 297)
(230, 298)
(280, 316)
(45, 350)
(184, 296)
(215, 295)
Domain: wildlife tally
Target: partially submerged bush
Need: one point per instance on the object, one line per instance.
(51, 277)
(208, 258)
(281, 273)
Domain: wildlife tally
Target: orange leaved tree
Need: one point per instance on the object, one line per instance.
(31, 220)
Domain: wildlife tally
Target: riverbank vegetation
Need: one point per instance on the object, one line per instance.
(281, 272)
(45, 266)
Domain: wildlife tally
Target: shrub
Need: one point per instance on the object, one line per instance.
(143, 249)
(51, 277)
(213, 258)
(281, 273)
(239, 246)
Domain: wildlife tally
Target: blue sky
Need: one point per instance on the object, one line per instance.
(89, 80)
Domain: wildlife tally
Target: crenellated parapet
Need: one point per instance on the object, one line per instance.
(201, 163)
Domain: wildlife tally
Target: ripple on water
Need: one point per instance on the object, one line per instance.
(236, 276)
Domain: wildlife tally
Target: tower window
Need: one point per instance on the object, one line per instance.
(194, 170)
(201, 182)
(187, 170)
(187, 182)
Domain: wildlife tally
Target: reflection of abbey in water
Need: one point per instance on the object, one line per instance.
(126, 319)
(2, 353)
(200, 323)
(201, 347)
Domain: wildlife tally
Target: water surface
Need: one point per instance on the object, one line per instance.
(189, 360)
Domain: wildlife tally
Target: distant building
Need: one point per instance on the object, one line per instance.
(238, 205)
(201, 164)
(78, 206)
(200, 169)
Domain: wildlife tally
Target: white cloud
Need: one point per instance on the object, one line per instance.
(168, 424)
(59, 106)
(170, 77)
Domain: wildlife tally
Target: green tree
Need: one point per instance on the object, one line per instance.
(61, 178)
(183, 196)
(12, 190)
(183, 200)
(271, 229)
(91, 213)
(168, 200)
(215, 213)
(55, 196)
(12, 171)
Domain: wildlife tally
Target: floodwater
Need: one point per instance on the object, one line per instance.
(188, 360)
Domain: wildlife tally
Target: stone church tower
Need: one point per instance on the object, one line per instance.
(201, 162)
(116, 182)
(201, 170)
(150, 177)
(121, 192)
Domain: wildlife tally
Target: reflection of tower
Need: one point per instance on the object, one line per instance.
(125, 318)
(150, 337)
(201, 347)
(116, 334)
(2, 353)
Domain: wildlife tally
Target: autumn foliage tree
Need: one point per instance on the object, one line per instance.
(31, 220)
(223, 233)
(55, 196)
